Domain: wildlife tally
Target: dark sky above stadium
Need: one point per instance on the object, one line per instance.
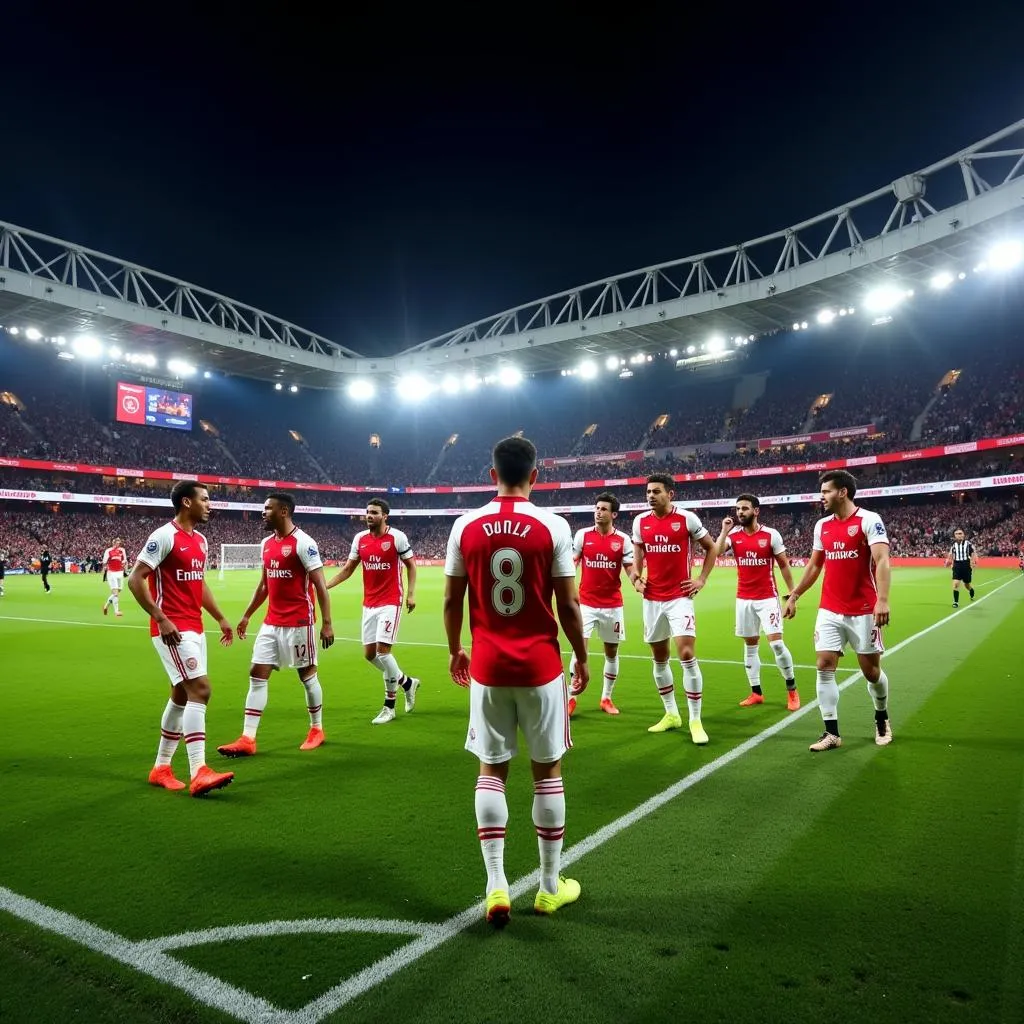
(381, 178)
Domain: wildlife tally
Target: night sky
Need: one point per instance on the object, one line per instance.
(381, 179)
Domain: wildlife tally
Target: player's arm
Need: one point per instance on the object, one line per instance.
(636, 570)
(259, 595)
(140, 591)
(883, 579)
(106, 558)
(696, 585)
(343, 573)
(810, 576)
(949, 559)
(319, 581)
(722, 544)
(454, 610)
(570, 618)
(227, 634)
(410, 597)
(782, 561)
(974, 557)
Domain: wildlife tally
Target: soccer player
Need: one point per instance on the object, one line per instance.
(602, 552)
(381, 550)
(511, 557)
(663, 540)
(114, 559)
(169, 583)
(45, 564)
(292, 571)
(757, 550)
(963, 561)
(852, 546)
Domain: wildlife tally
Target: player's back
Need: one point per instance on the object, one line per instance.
(510, 551)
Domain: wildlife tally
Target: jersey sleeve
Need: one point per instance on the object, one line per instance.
(727, 545)
(562, 562)
(308, 552)
(817, 545)
(402, 545)
(637, 539)
(694, 526)
(157, 547)
(778, 544)
(354, 550)
(577, 544)
(106, 555)
(627, 550)
(453, 561)
(874, 528)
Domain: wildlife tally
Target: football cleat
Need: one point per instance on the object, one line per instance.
(499, 908)
(883, 733)
(384, 716)
(828, 741)
(105, 609)
(548, 903)
(697, 733)
(792, 700)
(244, 746)
(668, 721)
(163, 776)
(571, 706)
(608, 707)
(410, 695)
(206, 780)
(752, 700)
(314, 738)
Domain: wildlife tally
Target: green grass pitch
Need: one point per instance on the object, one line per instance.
(859, 885)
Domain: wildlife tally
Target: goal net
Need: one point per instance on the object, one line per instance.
(240, 556)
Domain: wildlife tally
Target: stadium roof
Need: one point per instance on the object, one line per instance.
(938, 220)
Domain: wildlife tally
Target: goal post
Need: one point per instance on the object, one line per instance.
(240, 556)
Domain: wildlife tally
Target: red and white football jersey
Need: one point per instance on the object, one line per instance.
(178, 561)
(668, 550)
(287, 563)
(511, 551)
(382, 565)
(114, 559)
(849, 583)
(755, 561)
(602, 556)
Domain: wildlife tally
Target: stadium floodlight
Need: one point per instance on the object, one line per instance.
(14, 331)
(716, 344)
(451, 385)
(673, 352)
(588, 369)
(61, 340)
(278, 386)
(1006, 255)
(32, 334)
(612, 363)
(803, 325)
(294, 389)
(884, 298)
(796, 327)
(207, 374)
(114, 352)
(87, 346)
(826, 316)
(361, 390)
(943, 279)
(413, 388)
(690, 349)
(471, 382)
(180, 368)
(509, 377)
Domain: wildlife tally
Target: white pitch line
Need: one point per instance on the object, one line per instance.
(247, 1007)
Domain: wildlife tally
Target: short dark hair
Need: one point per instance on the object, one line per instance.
(842, 479)
(752, 498)
(283, 498)
(665, 479)
(610, 498)
(514, 459)
(184, 489)
(381, 504)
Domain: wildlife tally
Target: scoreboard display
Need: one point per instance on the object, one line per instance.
(153, 407)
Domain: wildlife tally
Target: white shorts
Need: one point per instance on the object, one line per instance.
(187, 660)
(380, 625)
(666, 619)
(832, 632)
(610, 623)
(285, 646)
(495, 713)
(754, 616)
(115, 580)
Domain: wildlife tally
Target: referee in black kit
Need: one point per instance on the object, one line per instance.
(45, 564)
(963, 559)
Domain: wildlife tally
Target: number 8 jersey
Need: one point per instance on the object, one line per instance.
(510, 551)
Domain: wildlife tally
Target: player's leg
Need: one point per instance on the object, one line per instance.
(611, 674)
(829, 641)
(969, 581)
(543, 718)
(657, 634)
(162, 773)
(492, 739)
(264, 662)
(684, 635)
(589, 616)
(747, 630)
(305, 660)
(115, 596)
(956, 589)
(784, 663)
(869, 648)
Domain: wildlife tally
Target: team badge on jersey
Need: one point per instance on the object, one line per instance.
(152, 546)
(853, 530)
(385, 545)
(311, 551)
(191, 664)
(763, 542)
(286, 550)
(615, 545)
(676, 526)
(879, 529)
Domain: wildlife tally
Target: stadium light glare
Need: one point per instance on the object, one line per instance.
(413, 388)
(180, 368)
(451, 385)
(716, 344)
(471, 382)
(207, 374)
(87, 347)
(883, 299)
(278, 386)
(14, 331)
(611, 363)
(294, 389)
(943, 279)
(690, 349)
(509, 377)
(32, 334)
(673, 352)
(1006, 254)
(61, 340)
(796, 327)
(588, 369)
(114, 352)
(826, 316)
(361, 390)
(803, 325)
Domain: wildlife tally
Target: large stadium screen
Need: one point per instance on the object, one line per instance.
(153, 407)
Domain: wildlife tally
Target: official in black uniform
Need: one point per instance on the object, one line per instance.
(45, 561)
(3, 570)
(964, 561)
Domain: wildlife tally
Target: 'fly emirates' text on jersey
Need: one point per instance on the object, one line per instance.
(755, 562)
(849, 581)
(602, 556)
(510, 551)
(178, 561)
(287, 563)
(668, 552)
(114, 559)
(382, 565)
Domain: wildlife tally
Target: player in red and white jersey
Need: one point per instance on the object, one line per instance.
(114, 559)
(851, 544)
(292, 573)
(382, 551)
(602, 552)
(169, 582)
(758, 549)
(512, 557)
(663, 540)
